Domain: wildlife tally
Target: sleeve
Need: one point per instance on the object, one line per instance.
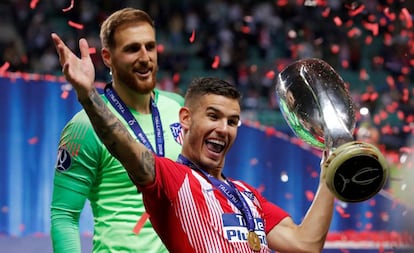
(75, 171)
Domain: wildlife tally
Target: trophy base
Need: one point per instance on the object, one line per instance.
(355, 171)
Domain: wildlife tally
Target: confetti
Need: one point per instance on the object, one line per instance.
(325, 13)
(337, 20)
(216, 62)
(176, 78)
(342, 212)
(33, 4)
(33, 140)
(64, 94)
(68, 8)
(309, 195)
(373, 27)
(160, 48)
(270, 75)
(354, 12)
(92, 50)
(405, 16)
(192, 37)
(388, 14)
(75, 25)
(4, 67)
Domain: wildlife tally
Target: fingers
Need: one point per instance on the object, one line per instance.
(60, 48)
(84, 48)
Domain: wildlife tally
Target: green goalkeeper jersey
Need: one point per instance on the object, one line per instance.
(86, 170)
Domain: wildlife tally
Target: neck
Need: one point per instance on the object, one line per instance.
(137, 101)
(215, 172)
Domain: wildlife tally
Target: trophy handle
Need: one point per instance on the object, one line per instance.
(355, 171)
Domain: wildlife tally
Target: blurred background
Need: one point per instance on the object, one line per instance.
(369, 43)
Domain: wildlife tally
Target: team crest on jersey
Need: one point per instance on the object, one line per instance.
(177, 132)
(64, 159)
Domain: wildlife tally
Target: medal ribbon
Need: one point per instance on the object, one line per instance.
(229, 190)
(122, 109)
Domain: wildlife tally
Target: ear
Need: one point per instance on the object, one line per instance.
(185, 118)
(106, 56)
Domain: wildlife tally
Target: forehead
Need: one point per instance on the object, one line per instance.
(225, 105)
(138, 32)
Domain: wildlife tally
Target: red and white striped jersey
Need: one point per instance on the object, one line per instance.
(190, 215)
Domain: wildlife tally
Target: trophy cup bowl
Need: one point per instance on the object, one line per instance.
(316, 105)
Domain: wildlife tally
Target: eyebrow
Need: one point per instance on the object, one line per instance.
(236, 116)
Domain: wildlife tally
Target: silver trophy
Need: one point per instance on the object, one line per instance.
(317, 107)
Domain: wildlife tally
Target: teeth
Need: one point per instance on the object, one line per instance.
(217, 142)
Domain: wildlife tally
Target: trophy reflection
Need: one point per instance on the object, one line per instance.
(317, 107)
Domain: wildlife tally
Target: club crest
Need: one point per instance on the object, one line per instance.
(177, 132)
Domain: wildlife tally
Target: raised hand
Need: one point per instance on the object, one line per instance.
(80, 72)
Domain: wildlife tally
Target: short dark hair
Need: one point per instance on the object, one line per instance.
(210, 85)
(119, 18)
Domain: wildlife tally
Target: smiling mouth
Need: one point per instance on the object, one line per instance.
(143, 72)
(215, 145)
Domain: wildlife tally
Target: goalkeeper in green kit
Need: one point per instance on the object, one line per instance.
(85, 170)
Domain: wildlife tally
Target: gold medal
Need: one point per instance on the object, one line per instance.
(254, 241)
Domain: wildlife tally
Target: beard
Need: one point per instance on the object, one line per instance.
(131, 80)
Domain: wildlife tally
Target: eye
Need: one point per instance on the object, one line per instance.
(233, 122)
(212, 116)
(132, 48)
(151, 46)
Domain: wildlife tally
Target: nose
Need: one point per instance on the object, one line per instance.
(222, 126)
(143, 55)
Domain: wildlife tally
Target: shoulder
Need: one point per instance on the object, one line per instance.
(79, 129)
(167, 96)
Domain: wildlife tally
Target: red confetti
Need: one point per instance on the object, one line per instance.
(216, 62)
(363, 74)
(354, 32)
(388, 39)
(176, 77)
(33, 4)
(254, 161)
(4, 67)
(64, 94)
(92, 50)
(326, 12)
(405, 16)
(33, 140)
(345, 64)
(192, 38)
(391, 82)
(390, 16)
(368, 40)
(68, 8)
(75, 25)
(281, 3)
(373, 27)
(270, 131)
(358, 10)
(342, 212)
(337, 20)
(335, 48)
(309, 195)
(160, 48)
(369, 214)
(270, 74)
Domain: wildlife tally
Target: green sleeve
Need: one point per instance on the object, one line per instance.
(75, 172)
(65, 220)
